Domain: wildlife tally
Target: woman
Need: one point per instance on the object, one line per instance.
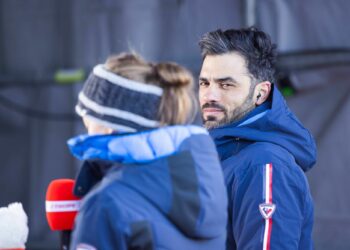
(149, 180)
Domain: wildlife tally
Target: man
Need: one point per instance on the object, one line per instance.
(263, 148)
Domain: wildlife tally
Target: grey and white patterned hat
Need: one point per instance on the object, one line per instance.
(119, 103)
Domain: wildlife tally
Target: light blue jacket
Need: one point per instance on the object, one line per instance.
(159, 189)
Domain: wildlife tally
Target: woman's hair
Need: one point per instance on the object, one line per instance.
(178, 103)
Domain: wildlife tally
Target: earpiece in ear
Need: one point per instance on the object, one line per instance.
(258, 96)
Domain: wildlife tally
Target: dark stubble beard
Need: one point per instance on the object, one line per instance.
(238, 113)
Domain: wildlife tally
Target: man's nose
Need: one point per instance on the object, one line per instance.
(211, 94)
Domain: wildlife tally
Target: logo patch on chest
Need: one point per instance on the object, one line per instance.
(267, 210)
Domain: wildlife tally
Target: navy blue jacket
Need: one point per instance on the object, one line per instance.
(159, 189)
(264, 157)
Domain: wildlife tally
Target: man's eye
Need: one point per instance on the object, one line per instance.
(226, 85)
(203, 83)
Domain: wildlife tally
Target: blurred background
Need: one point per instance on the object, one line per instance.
(48, 47)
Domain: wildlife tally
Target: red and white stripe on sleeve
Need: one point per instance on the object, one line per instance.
(267, 208)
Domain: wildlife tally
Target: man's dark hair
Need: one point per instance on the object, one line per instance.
(254, 45)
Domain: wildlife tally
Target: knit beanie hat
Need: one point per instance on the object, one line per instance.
(119, 103)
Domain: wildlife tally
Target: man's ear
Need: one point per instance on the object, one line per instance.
(262, 92)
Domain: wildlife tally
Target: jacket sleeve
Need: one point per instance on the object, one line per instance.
(96, 228)
(269, 206)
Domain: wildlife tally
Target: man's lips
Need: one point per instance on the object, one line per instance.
(212, 110)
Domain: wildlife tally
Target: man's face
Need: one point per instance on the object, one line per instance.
(225, 92)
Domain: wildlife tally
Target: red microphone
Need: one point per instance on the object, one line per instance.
(61, 208)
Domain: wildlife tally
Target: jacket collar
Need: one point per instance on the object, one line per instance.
(133, 148)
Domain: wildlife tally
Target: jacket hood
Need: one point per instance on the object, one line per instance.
(181, 161)
(272, 122)
(136, 148)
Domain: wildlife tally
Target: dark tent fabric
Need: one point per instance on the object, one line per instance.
(34, 152)
(159, 30)
(37, 38)
(326, 112)
(40, 37)
(305, 25)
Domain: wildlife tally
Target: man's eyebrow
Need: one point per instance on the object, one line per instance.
(218, 80)
(225, 79)
(203, 79)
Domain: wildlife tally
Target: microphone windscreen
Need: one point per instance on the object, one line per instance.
(61, 204)
(13, 227)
